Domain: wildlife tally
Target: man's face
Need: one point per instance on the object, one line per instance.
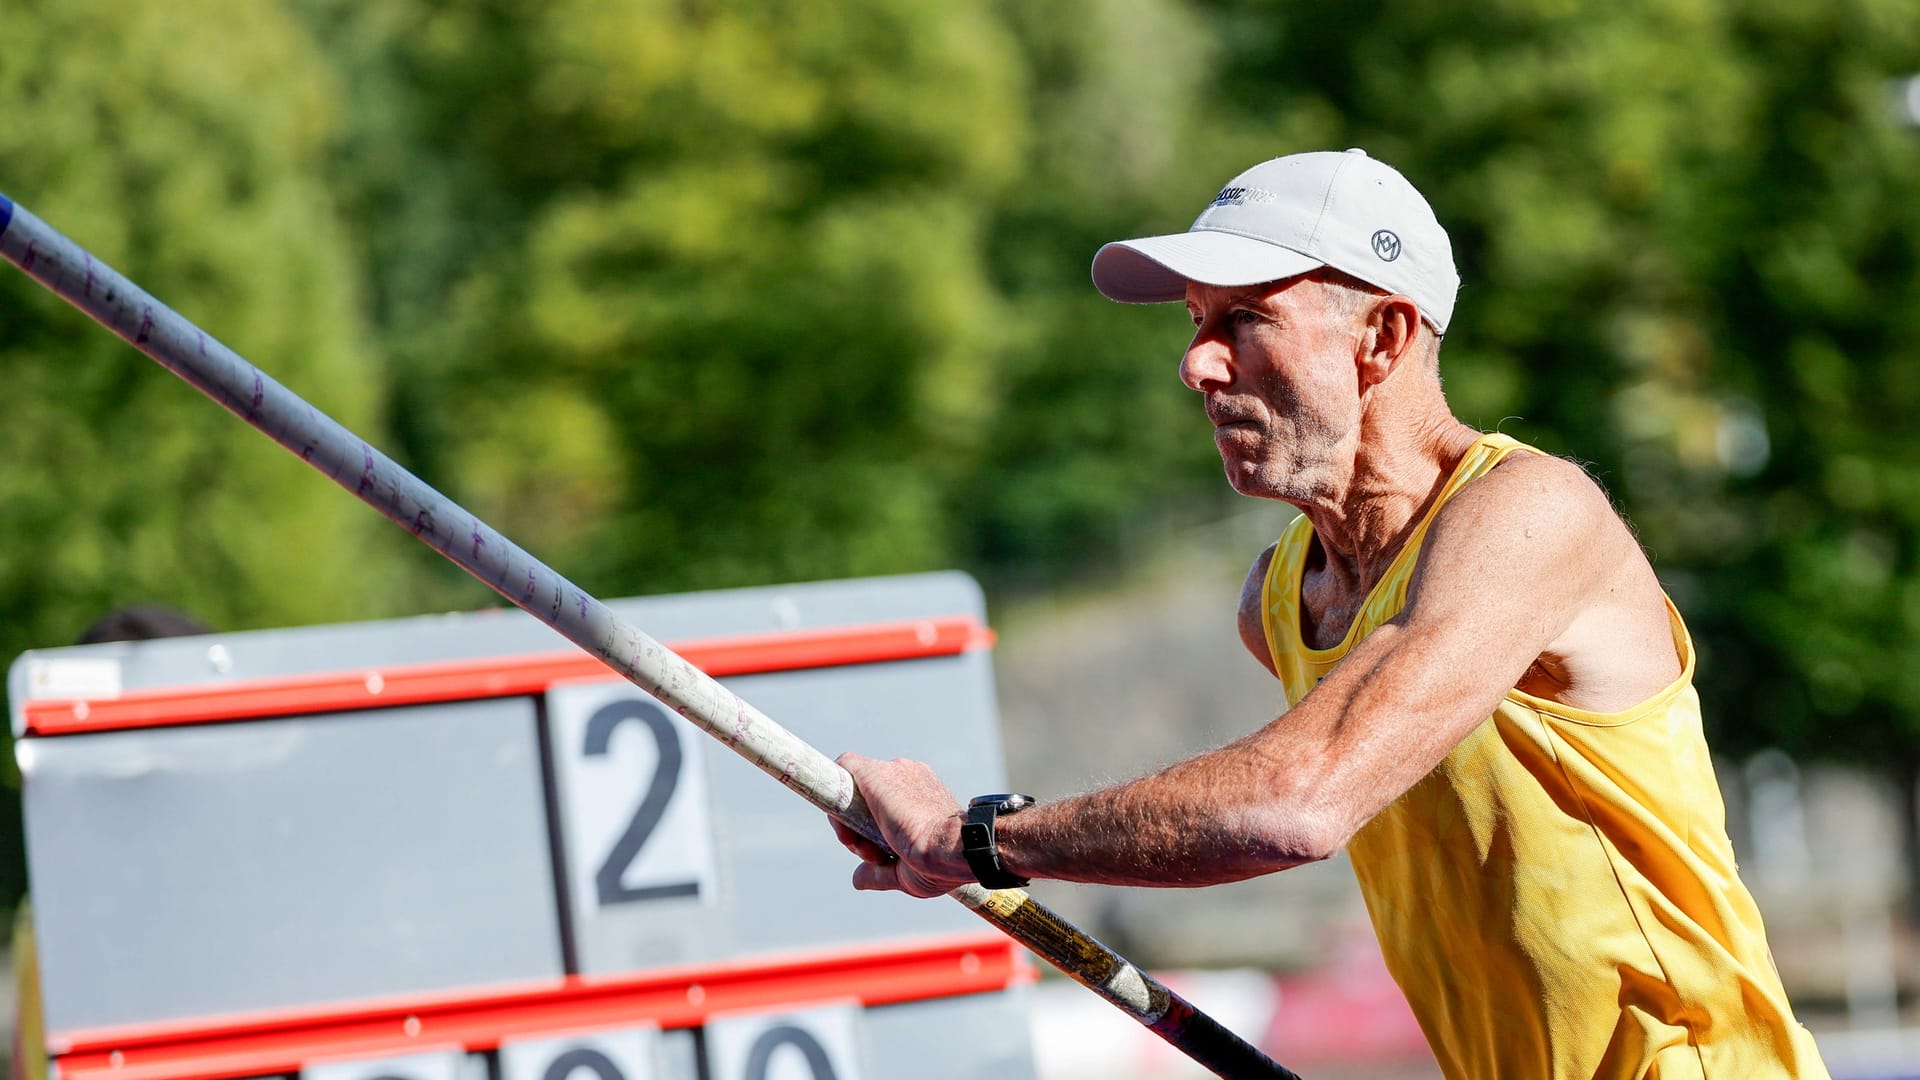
(1276, 365)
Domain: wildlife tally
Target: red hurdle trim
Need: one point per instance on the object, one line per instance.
(280, 1042)
(419, 684)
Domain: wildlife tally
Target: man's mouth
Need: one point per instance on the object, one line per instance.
(1224, 415)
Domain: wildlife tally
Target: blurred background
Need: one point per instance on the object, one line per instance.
(701, 294)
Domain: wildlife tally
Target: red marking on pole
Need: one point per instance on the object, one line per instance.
(479, 541)
(32, 255)
(259, 396)
(146, 325)
(89, 289)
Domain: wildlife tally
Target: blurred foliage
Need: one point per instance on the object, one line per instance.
(695, 294)
(1692, 253)
(742, 247)
(196, 171)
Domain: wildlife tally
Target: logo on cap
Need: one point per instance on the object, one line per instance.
(1386, 245)
(1240, 195)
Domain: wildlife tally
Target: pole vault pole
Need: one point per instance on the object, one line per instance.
(244, 390)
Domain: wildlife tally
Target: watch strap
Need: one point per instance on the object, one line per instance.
(980, 842)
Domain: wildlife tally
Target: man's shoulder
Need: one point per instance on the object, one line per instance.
(1537, 549)
(1535, 524)
(1534, 487)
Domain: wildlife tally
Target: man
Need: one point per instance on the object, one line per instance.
(1491, 702)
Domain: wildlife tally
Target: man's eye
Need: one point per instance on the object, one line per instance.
(1243, 317)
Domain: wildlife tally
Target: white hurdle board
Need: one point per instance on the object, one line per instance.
(455, 846)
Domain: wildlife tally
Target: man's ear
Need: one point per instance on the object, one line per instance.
(1388, 338)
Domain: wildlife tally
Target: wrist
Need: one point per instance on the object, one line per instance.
(979, 839)
(951, 860)
(1012, 853)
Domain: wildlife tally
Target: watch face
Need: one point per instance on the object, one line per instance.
(1005, 801)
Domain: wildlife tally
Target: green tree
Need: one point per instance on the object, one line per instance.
(722, 314)
(178, 142)
(1094, 442)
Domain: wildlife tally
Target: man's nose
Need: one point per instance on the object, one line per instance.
(1208, 363)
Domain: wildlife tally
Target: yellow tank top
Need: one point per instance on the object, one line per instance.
(1558, 898)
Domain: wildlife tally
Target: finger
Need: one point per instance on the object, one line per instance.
(858, 842)
(877, 877)
(914, 884)
(860, 845)
(845, 834)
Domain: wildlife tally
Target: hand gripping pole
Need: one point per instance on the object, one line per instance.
(223, 375)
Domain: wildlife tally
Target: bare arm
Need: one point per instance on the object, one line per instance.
(1509, 566)
(1253, 624)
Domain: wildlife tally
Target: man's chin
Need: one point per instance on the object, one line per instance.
(1245, 478)
(1258, 479)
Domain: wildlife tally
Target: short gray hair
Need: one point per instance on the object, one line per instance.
(1347, 296)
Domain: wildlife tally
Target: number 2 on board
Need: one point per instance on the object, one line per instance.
(609, 889)
(633, 798)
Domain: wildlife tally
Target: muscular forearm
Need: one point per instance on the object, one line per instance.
(1277, 798)
(1211, 819)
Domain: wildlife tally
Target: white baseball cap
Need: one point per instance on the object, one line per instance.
(1288, 216)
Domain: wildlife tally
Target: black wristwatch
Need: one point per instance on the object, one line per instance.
(982, 847)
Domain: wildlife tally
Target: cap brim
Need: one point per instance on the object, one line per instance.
(1156, 269)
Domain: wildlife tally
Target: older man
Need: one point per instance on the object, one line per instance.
(1491, 699)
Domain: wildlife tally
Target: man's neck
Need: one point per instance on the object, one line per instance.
(1397, 471)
